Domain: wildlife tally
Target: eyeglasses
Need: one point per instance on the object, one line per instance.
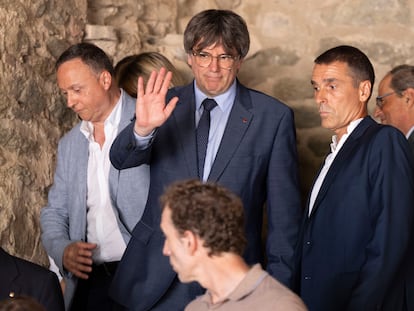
(380, 99)
(204, 59)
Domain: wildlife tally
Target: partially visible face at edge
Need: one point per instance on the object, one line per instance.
(393, 111)
(175, 247)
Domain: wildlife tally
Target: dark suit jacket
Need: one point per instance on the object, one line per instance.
(24, 278)
(256, 159)
(411, 142)
(357, 236)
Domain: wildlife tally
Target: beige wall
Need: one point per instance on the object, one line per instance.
(286, 36)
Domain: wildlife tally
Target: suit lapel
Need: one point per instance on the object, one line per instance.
(183, 121)
(341, 159)
(239, 120)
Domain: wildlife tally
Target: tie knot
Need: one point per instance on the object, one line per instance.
(209, 104)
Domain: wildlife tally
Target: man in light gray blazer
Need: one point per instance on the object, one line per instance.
(92, 207)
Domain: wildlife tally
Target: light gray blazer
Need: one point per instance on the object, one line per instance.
(63, 220)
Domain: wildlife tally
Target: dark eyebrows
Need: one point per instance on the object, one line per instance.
(328, 80)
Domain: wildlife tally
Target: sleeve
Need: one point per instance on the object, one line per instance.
(127, 152)
(54, 217)
(283, 202)
(392, 195)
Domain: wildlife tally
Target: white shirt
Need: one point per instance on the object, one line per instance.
(102, 226)
(409, 132)
(335, 147)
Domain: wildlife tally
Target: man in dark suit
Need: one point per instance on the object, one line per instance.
(251, 150)
(395, 106)
(23, 278)
(359, 216)
(395, 101)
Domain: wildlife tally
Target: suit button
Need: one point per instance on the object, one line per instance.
(307, 278)
(308, 243)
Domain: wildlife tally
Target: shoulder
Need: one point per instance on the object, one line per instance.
(198, 304)
(128, 103)
(275, 293)
(33, 270)
(387, 133)
(262, 101)
(182, 90)
(73, 134)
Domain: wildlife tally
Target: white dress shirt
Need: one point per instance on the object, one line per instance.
(335, 147)
(102, 226)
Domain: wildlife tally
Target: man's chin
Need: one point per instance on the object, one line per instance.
(184, 279)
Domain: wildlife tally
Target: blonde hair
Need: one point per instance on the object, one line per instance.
(128, 69)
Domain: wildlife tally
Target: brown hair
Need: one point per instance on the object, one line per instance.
(128, 69)
(210, 211)
(217, 26)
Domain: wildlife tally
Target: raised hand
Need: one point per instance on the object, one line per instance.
(77, 258)
(151, 110)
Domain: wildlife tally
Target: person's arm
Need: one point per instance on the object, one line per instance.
(54, 217)
(391, 211)
(151, 112)
(283, 202)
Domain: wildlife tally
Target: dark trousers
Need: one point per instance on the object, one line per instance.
(92, 294)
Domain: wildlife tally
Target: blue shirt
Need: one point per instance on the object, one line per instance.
(219, 116)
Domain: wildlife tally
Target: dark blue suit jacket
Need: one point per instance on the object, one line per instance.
(24, 278)
(256, 159)
(355, 241)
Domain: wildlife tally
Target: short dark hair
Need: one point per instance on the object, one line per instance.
(360, 66)
(217, 26)
(402, 78)
(89, 54)
(210, 211)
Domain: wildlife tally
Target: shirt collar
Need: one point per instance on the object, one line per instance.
(335, 143)
(251, 281)
(223, 100)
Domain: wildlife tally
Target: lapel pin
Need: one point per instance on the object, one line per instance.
(244, 120)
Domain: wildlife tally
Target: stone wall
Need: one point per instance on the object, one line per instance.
(286, 36)
(33, 115)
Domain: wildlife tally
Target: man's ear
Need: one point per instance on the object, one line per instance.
(364, 90)
(106, 79)
(409, 97)
(191, 242)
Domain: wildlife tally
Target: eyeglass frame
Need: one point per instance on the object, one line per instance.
(218, 57)
(379, 100)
